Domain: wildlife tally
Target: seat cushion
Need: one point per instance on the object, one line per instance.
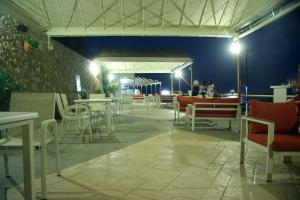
(183, 102)
(282, 141)
(284, 115)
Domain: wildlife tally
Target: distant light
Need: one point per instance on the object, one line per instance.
(178, 74)
(111, 77)
(232, 91)
(235, 47)
(95, 70)
(165, 92)
(124, 80)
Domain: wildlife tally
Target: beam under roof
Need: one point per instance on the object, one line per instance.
(202, 31)
(203, 18)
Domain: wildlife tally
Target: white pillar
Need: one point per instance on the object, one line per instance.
(279, 93)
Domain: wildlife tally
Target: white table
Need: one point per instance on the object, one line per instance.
(107, 103)
(24, 119)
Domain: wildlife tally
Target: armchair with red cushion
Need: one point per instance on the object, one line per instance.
(272, 128)
(182, 102)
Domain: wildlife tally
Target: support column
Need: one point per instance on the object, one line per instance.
(179, 89)
(146, 90)
(191, 69)
(172, 89)
(160, 88)
(238, 75)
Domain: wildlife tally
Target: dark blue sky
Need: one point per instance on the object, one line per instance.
(273, 54)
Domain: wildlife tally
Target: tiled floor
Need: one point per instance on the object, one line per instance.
(176, 165)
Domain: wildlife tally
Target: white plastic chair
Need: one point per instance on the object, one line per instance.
(127, 100)
(45, 129)
(64, 100)
(78, 113)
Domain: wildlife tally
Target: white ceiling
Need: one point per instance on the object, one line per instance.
(141, 67)
(143, 60)
(214, 18)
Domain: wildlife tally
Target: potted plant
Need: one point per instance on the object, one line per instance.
(31, 43)
(112, 88)
(7, 86)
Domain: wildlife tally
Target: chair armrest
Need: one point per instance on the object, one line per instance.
(176, 105)
(45, 125)
(49, 122)
(258, 120)
(270, 124)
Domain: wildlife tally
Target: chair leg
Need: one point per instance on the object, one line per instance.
(57, 153)
(174, 115)
(269, 165)
(78, 129)
(229, 127)
(193, 123)
(62, 128)
(5, 159)
(91, 133)
(43, 167)
(242, 152)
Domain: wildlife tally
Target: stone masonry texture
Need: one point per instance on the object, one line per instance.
(42, 70)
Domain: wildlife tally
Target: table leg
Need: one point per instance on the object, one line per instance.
(28, 162)
(108, 106)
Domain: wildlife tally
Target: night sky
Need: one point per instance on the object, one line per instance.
(271, 55)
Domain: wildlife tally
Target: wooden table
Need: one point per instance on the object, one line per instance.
(24, 119)
(107, 103)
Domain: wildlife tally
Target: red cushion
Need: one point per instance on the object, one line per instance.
(166, 98)
(216, 114)
(226, 100)
(138, 96)
(284, 115)
(184, 101)
(282, 141)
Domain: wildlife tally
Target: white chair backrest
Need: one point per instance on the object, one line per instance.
(97, 96)
(126, 98)
(59, 104)
(64, 100)
(42, 103)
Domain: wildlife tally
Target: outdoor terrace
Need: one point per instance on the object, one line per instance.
(150, 157)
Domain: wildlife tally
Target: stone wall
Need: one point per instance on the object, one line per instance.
(42, 70)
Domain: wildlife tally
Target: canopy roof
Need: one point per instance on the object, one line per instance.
(141, 81)
(215, 18)
(143, 60)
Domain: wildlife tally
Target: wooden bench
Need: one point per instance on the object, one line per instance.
(213, 109)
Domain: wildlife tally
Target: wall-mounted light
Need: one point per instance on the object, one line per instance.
(95, 70)
(178, 74)
(235, 47)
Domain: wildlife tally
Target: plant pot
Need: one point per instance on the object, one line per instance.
(27, 47)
